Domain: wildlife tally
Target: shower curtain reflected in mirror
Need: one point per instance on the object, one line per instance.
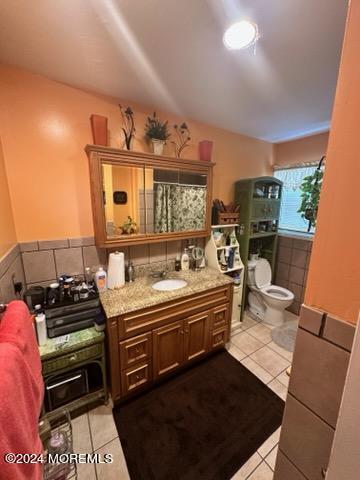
(179, 208)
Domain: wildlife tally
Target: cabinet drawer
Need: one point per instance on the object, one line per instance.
(153, 317)
(219, 317)
(135, 350)
(71, 359)
(135, 377)
(218, 338)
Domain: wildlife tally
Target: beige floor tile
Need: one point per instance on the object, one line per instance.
(270, 443)
(86, 471)
(271, 458)
(116, 470)
(258, 371)
(103, 428)
(248, 467)
(290, 317)
(81, 434)
(261, 332)
(235, 351)
(284, 378)
(270, 360)
(263, 472)
(278, 388)
(281, 351)
(247, 343)
(247, 321)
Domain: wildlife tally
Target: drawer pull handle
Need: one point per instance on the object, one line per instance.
(68, 380)
(72, 358)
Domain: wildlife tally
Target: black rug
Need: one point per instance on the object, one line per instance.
(204, 424)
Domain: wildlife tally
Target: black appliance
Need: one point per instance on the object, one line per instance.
(71, 317)
(65, 388)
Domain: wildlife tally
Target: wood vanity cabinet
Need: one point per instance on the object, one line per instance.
(154, 342)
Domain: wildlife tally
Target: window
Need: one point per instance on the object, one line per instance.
(292, 179)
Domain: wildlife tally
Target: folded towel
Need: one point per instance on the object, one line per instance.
(21, 392)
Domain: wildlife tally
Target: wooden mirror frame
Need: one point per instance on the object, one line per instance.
(98, 154)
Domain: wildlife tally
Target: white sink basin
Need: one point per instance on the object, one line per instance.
(168, 285)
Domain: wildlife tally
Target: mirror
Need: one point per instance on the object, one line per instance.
(175, 201)
(124, 203)
(140, 198)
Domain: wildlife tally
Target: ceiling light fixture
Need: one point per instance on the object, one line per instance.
(240, 35)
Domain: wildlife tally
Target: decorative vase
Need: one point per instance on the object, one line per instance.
(205, 150)
(158, 146)
(99, 129)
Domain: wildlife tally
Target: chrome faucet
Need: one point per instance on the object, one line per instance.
(160, 273)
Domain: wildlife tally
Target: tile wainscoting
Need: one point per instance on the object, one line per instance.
(11, 270)
(291, 269)
(41, 262)
(318, 373)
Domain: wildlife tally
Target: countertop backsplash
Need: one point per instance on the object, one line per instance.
(41, 262)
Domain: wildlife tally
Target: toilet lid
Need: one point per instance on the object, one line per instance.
(262, 273)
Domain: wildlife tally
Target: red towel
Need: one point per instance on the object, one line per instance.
(21, 392)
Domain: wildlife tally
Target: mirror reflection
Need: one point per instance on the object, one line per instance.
(179, 202)
(123, 188)
(142, 201)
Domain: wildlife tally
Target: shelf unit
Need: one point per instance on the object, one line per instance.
(259, 199)
(213, 251)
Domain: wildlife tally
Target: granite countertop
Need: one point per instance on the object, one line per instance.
(139, 294)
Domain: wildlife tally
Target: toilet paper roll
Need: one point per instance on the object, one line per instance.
(116, 270)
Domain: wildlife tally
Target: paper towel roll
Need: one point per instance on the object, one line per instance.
(116, 270)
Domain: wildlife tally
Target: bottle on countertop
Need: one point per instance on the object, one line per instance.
(130, 272)
(88, 276)
(185, 260)
(100, 280)
(177, 263)
(40, 320)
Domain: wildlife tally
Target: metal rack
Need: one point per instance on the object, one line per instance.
(50, 425)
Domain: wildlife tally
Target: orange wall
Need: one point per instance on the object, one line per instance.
(334, 274)
(7, 226)
(45, 126)
(307, 149)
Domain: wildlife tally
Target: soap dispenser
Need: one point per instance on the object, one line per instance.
(185, 260)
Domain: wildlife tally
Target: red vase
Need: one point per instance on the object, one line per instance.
(99, 129)
(205, 150)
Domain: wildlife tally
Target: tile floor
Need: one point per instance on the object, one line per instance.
(95, 431)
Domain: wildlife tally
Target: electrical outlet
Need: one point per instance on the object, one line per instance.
(18, 286)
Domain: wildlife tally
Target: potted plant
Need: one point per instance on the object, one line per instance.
(157, 132)
(310, 195)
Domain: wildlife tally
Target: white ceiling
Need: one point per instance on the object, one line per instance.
(169, 54)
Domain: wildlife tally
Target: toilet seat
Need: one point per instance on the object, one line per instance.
(274, 291)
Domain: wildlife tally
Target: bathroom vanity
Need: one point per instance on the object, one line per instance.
(152, 334)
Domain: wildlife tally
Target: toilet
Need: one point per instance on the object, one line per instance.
(266, 301)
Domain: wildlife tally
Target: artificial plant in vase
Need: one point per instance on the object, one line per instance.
(182, 138)
(128, 127)
(310, 195)
(157, 132)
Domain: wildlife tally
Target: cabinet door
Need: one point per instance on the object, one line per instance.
(220, 317)
(196, 339)
(135, 350)
(135, 377)
(218, 338)
(168, 348)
